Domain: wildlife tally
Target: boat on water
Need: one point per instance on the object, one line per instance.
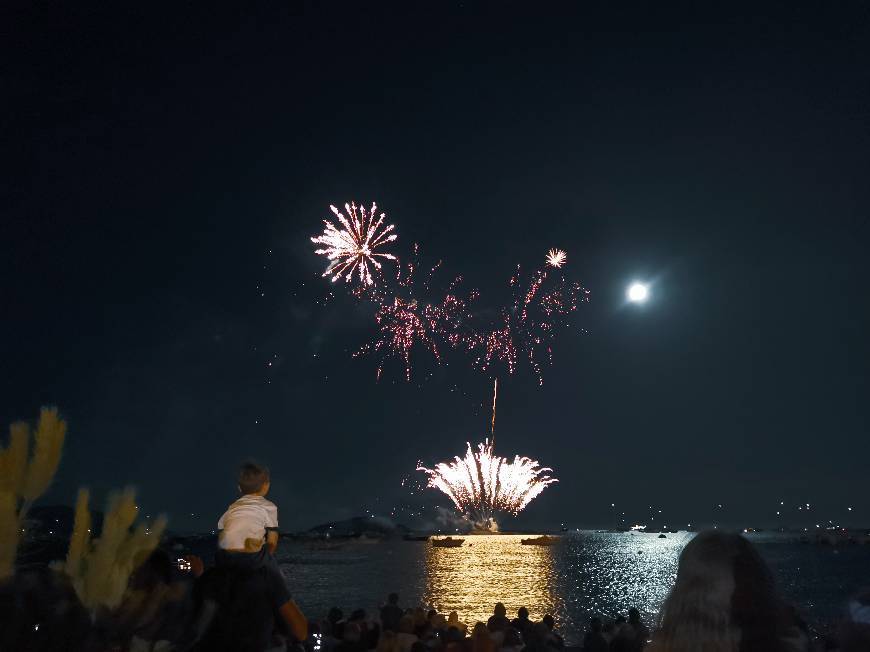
(447, 542)
(545, 540)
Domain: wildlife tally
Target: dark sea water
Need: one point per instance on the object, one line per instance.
(586, 574)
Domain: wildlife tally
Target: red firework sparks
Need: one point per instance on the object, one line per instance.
(529, 324)
(399, 327)
(407, 313)
(408, 318)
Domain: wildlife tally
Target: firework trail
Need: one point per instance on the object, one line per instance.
(494, 398)
(482, 484)
(353, 248)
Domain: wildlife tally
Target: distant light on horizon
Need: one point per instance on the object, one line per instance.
(637, 292)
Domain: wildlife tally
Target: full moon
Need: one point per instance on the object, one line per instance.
(637, 293)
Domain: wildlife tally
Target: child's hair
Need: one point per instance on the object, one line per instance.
(252, 477)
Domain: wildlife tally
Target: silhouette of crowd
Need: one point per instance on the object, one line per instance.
(723, 599)
(621, 634)
(418, 630)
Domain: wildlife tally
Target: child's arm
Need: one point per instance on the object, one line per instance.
(271, 541)
(271, 528)
(220, 529)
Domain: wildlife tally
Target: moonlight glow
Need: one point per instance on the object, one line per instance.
(637, 293)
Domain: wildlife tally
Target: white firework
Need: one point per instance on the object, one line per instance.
(556, 258)
(482, 484)
(352, 250)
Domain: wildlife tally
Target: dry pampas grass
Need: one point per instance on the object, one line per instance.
(100, 569)
(24, 477)
(10, 531)
(48, 440)
(13, 460)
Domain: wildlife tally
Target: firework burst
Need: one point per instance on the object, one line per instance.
(556, 258)
(408, 313)
(401, 325)
(352, 249)
(481, 484)
(413, 316)
(498, 346)
(527, 326)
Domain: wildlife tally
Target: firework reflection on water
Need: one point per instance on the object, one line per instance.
(489, 569)
(586, 574)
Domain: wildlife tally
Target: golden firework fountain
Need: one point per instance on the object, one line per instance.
(482, 484)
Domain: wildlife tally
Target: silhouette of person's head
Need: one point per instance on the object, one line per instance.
(387, 641)
(357, 616)
(596, 625)
(335, 614)
(393, 598)
(633, 616)
(549, 621)
(254, 479)
(723, 595)
(854, 632)
(351, 633)
(406, 624)
(499, 609)
(523, 613)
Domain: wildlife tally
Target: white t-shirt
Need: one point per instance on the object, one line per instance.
(247, 518)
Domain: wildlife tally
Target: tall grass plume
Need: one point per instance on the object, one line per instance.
(25, 475)
(100, 569)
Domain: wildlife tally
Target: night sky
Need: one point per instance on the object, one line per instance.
(164, 170)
